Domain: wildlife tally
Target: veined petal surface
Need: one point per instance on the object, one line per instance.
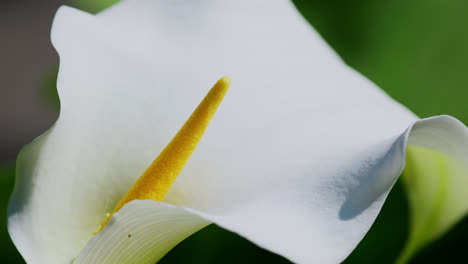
(142, 232)
(298, 159)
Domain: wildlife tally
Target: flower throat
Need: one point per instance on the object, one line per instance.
(158, 178)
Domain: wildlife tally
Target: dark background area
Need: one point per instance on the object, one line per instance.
(416, 50)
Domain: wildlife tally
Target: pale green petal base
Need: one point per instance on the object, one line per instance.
(436, 188)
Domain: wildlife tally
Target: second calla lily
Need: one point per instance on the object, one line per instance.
(298, 159)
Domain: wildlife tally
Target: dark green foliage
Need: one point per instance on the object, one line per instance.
(8, 252)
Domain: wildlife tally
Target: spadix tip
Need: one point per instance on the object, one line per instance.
(226, 80)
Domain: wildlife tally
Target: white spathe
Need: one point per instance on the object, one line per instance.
(298, 159)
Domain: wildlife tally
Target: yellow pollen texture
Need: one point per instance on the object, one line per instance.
(158, 178)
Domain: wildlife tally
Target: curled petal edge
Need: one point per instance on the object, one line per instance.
(154, 228)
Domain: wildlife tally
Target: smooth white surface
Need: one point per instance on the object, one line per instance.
(298, 159)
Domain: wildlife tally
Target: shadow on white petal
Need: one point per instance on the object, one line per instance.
(374, 178)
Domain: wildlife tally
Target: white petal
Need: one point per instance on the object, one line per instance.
(142, 232)
(293, 219)
(298, 159)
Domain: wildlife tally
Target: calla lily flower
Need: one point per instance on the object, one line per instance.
(298, 159)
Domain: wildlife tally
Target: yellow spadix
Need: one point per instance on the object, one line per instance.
(158, 178)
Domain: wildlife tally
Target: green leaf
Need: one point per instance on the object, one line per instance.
(92, 6)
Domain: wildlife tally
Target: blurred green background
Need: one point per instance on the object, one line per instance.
(416, 50)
